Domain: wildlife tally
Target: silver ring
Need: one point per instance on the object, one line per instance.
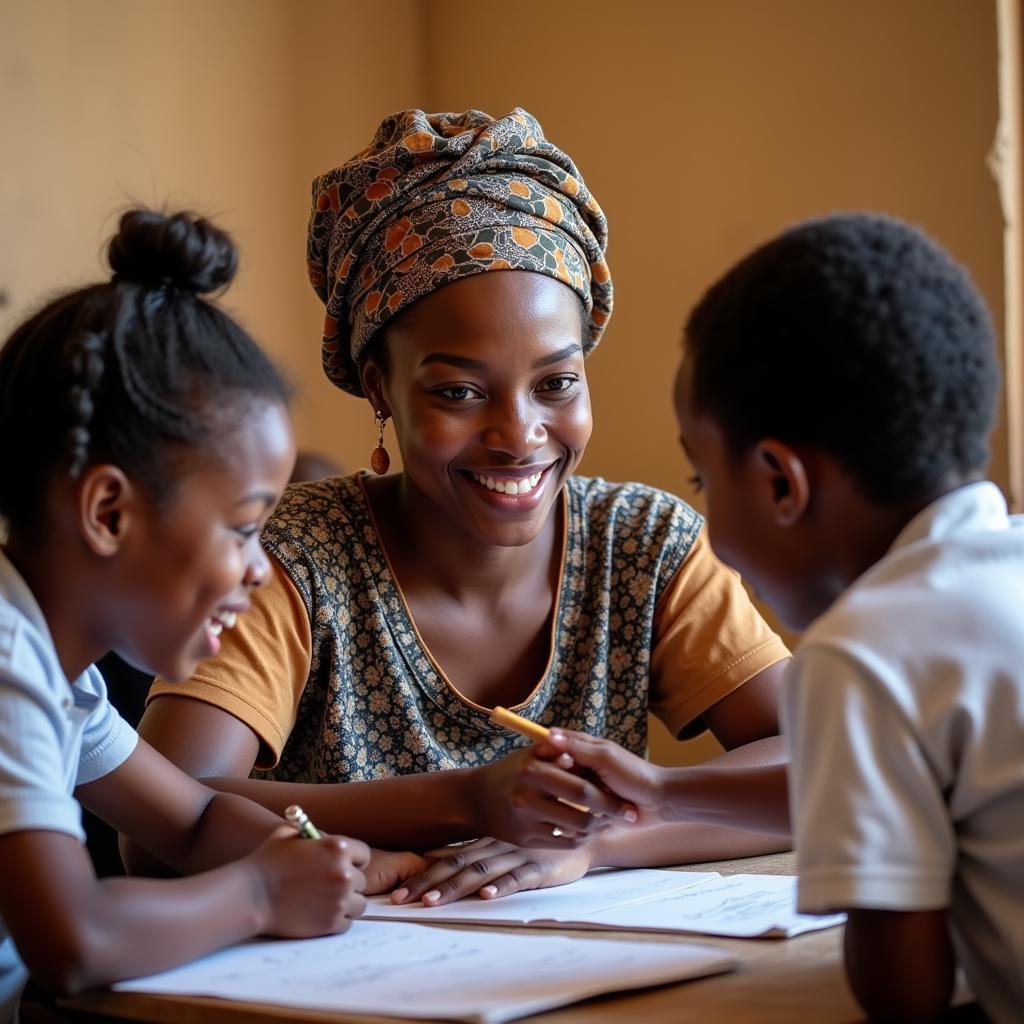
(556, 832)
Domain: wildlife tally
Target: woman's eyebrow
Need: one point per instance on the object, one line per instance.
(266, 497)
(475, 364)
(557, 357)
(446, 357)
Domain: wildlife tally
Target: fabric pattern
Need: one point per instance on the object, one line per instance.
(375, 705)
(438, 197)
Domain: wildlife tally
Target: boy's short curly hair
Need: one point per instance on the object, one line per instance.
(859, 335)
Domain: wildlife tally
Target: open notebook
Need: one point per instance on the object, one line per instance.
(403, 970)
(642, 899)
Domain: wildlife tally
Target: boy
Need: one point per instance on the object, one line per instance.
(835, 400)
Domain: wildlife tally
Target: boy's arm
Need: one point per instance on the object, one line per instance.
(900, 964)
(743, 788)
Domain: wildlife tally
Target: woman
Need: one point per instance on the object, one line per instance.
(461, 261)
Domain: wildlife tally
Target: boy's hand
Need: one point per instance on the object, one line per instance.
(634, 781)
(531, 799)
(388, 869)
(491, 868)
(311, 886)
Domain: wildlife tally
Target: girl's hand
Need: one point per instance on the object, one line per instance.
(310, 886)
(531, 799)
(388, 869)
(491, 868)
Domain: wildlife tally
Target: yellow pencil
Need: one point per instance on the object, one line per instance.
(523, 726)
(532, 731)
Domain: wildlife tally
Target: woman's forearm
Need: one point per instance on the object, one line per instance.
(418, 812)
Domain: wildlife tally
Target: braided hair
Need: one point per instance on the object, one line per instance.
(135, 371)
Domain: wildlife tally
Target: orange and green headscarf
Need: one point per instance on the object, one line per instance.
(437, 197)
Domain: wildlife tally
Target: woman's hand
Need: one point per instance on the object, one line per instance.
(388, 869)
(531, 799)
(491, 868)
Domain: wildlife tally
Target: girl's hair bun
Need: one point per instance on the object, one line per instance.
(181, 250)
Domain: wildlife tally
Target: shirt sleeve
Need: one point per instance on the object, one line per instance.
(262, 667)
(870, 822)
(709, 639)
(35, 767)
(107, 740)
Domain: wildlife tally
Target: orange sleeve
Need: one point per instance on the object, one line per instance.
(709, 639)
(262, 666)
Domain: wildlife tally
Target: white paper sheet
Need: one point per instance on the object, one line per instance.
(572, 904)
(405, 970)
(740, 906)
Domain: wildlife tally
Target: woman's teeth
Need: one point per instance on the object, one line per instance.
(508, 486)
(222, 620)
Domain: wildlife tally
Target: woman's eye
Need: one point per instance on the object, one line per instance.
(697, 484)
(457, 392)
(562, 383)
(246, 533)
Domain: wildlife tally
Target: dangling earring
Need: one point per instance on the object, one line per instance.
(379, 458)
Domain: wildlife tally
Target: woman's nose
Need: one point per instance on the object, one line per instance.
(515, 428)
(257, 569)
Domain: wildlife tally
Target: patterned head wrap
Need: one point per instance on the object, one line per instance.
(437, 197)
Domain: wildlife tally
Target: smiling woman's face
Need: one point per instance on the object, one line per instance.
(488, 394)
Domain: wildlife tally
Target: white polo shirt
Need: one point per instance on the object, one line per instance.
(54, 736)
(904, 710)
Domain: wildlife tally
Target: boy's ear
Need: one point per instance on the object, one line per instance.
(106, 501)
(785, 478)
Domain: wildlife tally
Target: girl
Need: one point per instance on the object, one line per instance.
(153, 440)
(461, 259)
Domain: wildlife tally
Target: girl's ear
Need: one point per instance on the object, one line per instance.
(105, 506)
(785, 480)
(373, 382)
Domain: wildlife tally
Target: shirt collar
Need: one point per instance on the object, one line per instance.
(972, 508)
(15, 590)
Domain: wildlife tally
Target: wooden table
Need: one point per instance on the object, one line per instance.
(777, 981)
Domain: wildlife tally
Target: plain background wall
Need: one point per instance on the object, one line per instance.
(702, 127)
(230, 107)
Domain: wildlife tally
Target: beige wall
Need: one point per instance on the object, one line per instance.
(227, 106)
(702, 127)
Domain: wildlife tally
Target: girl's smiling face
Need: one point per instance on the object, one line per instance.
(186, 570)
(486, 387)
